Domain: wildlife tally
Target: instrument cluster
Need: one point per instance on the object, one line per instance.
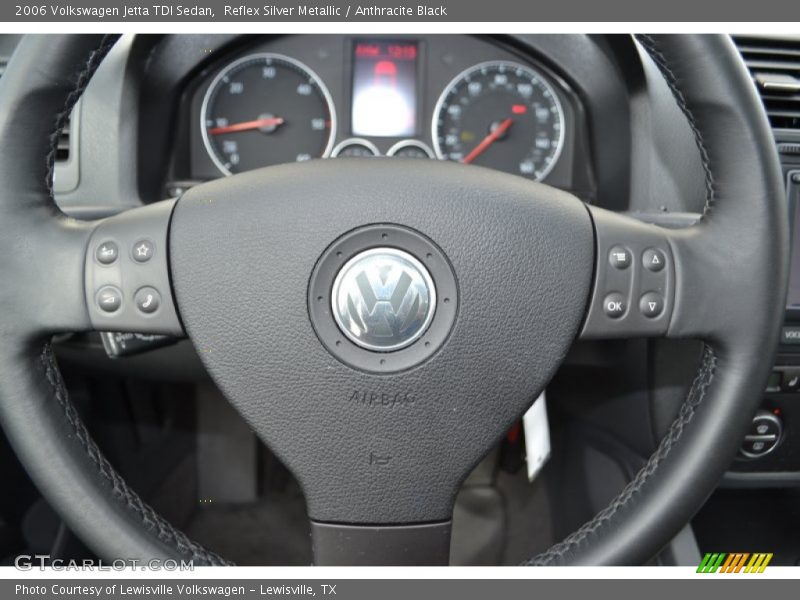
(435, 97)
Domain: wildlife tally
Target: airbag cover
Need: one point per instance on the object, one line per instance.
(388, 447)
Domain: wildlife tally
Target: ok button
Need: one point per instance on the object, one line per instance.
(614, 305)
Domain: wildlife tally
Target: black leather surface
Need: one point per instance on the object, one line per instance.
(242, 252)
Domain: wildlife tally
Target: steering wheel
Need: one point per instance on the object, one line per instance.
(354, 310)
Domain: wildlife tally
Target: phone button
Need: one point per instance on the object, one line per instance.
(147, 300)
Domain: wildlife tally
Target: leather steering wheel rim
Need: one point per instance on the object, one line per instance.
(745, 211)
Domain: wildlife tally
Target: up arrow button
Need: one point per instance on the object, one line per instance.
(653, 259)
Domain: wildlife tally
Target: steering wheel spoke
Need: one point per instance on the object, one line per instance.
(661, 281)
(127, 283)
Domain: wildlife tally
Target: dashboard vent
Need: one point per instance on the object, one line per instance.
(63, 147)
(775, 67)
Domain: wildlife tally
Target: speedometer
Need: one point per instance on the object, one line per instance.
(266, 109)
(501, 115)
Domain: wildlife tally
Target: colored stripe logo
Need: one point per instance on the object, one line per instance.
(736, 562)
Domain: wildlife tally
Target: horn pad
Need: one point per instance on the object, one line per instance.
(251, 256)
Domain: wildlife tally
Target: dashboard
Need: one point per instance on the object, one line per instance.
(461, 98)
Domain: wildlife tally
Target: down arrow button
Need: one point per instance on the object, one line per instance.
(651, 304)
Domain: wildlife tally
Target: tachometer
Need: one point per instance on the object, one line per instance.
(266, 109)
(501, 115)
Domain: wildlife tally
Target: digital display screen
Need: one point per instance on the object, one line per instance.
(384, 88)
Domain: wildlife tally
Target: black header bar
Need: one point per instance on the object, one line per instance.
(399, 11)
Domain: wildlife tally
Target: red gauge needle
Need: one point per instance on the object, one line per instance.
(245, 125)
(488, 141)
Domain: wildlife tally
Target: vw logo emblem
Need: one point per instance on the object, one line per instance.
(383, 299)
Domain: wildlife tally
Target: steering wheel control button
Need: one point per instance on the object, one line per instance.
(764, 435)
(383, 299)
(614, 305)
(790, 335)
(109, 299)
(147, 300)
(619, 257)
(651, 304)
(654, 260)
(107, 253)
(143, 251)
(634, 279)
(126, 278)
